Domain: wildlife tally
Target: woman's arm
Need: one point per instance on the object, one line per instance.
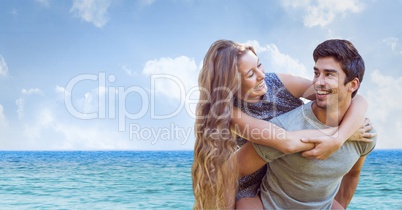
(268, 134)
(299, 87)
(265, 133)
(352, 121)
(322, 142)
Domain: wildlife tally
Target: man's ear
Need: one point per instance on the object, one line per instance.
(354, 84)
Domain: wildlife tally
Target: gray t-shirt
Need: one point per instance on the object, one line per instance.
(294, 182)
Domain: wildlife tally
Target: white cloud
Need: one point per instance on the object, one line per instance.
(173, 77)
(48, 132)
(92, 11)
(385, 109)
(85, 106)
(323, 12)
(3, 67)
(393, 43)
(20, 110)
(257, 47)
(285, 62)
(33, 131)
(382, 97)
(88, 103)
(296, 4)
(101, 91)
(3, 120)
(278, 61)
(31, 91)
(61, 91)
(20, 102)
(91, 137)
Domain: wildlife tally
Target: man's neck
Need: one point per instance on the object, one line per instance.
(332, 116)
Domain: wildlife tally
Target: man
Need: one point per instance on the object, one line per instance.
(294, 182)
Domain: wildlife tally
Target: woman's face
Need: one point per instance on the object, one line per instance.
(252, 75)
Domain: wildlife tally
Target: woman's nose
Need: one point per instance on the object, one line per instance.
(260, 74)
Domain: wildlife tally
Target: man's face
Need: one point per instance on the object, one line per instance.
(329, 83)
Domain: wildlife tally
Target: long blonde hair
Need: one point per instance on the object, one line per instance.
(214, 172)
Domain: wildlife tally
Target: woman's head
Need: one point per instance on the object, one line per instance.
(252, 76)
(235, 68)
(230, 69)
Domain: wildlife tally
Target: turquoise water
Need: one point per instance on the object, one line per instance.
(95, 180)
(147, 180)
(380, 185)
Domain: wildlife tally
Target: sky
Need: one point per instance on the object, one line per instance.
(122, 74)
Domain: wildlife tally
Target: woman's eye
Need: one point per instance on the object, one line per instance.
(259, 65)
(252, 74)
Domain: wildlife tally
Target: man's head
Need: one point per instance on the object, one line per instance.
(338, 70)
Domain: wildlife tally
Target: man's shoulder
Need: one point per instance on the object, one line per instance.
(292, 118)
(367, 147)
(364, 148)
(294, 112)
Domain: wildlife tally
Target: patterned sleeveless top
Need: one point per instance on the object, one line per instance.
(276, 101)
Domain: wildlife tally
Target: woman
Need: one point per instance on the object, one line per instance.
(232, 75)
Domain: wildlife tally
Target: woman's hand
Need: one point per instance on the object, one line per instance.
(328, 144)
(324, 147)
(362, 133)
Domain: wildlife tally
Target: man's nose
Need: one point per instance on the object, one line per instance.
(320, 80)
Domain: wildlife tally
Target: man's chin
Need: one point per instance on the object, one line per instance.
(321, 105)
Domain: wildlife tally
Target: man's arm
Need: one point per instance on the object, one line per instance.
(248, 160)
(349, 184)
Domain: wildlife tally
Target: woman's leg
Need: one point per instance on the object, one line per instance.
(336, 205)
(249, 203)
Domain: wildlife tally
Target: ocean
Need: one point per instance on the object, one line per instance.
(147, 180)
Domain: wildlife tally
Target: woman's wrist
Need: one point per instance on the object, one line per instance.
(339, 138)
(289, 142)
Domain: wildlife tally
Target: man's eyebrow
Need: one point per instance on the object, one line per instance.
(327, 70)
(331, 71)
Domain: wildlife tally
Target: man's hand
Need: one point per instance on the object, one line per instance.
(324, 147)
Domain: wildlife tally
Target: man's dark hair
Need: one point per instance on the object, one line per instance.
(346, 54)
